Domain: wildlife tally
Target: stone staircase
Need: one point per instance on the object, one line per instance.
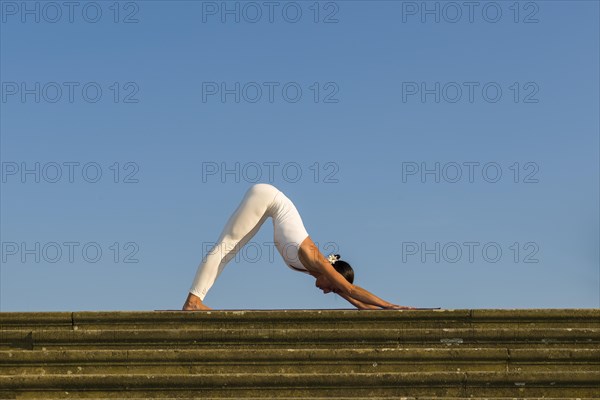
(302, 354)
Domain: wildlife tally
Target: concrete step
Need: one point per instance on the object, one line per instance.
(203, 396)
(442, 354)
(150, 395)
(296, 336)
(303, 319)
(339, 360)
(550, 384)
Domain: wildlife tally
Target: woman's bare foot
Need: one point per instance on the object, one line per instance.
(193, 303)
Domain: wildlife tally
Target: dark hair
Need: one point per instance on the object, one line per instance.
(344, 269)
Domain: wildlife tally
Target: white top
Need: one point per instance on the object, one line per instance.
(288, 230)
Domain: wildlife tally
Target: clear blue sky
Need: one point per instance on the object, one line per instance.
(344, 106)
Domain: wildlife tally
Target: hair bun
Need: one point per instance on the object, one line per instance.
(332, 258)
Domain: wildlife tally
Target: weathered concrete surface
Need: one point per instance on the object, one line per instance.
(295, 336)
(304, 318)
(439, 354)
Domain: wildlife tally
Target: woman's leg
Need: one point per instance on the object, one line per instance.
(240, 228)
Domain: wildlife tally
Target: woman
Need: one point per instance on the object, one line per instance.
(291, 240)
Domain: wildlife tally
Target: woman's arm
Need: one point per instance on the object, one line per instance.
(367, 297)
(315, 262)
(360, 293)
(358, 304)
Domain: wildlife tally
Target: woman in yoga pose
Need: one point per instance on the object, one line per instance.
(293, 243)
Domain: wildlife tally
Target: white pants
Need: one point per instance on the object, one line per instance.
(260, 202)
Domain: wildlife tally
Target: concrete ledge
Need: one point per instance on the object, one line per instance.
(297, 337)
(346, 361)
(86, 395)
(153, 395)
(324, 316)
(337, 354)
(242, 354)
(431, 384)
(586, 379)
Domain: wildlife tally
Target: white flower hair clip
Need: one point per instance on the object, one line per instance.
(332, 258)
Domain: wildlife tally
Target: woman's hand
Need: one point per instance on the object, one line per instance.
(397, 307)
